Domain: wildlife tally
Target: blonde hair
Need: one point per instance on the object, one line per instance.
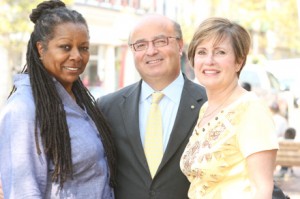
(219, 28)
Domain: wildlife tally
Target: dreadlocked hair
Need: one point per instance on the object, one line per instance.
(85, 98)
(50, 118)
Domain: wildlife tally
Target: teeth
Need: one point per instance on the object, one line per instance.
(154, 61)
(210, 72)
(72, 69)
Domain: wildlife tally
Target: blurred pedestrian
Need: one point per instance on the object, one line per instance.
(232, 151)
(156, 43)
(281, 123)
(246, 86)
(54, 142)
(290, 134)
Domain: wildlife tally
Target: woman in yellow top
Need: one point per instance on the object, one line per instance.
(232, 151)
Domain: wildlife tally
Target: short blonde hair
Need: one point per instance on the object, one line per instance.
(220, 28)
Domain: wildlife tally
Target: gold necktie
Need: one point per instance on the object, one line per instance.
(153, 145)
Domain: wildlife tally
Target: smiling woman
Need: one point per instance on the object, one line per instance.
(66, 55)
(52, 136)
(233, 146)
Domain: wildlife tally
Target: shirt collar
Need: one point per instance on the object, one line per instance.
(171, 91)
(24, 79)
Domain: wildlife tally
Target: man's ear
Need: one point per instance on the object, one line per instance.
(40, 48)
(180, 42)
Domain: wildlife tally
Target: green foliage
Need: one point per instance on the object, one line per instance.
(14, 17)
(262, 18)
(16, 26)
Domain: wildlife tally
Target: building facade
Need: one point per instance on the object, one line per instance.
(111, 64)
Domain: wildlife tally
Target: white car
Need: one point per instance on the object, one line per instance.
(287, 71)
(265, 85)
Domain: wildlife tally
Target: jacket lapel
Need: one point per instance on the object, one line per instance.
(129, 108)
(185, 121)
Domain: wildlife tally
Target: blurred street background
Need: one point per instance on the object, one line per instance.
(273, 24)
(290, 183)
(272, 69)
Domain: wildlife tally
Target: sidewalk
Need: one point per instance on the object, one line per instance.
(290, 183)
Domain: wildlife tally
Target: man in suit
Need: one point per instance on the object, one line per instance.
(156, 43)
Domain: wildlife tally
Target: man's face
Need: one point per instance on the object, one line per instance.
(160, 60)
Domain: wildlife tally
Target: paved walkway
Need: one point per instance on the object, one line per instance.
(289, 183)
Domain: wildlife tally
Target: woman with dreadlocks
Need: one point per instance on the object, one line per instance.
(54, 142)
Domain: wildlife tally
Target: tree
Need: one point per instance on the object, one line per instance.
(14, 33)
(273, 24)
(15, 27)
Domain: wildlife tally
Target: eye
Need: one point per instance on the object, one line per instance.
(220, 52)
(160, 42)
(201, 52)
(65, 47)
(84, 48)
(140, 45)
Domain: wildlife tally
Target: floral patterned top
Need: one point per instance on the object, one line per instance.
(214, 160)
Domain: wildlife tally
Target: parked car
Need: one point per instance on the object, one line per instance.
(265, 85)
(287, 71)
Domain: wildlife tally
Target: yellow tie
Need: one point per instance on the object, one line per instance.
(153, 145)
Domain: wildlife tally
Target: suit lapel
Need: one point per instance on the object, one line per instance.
(186, 118)
(130, 113)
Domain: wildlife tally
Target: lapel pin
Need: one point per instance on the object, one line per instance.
(192, 107)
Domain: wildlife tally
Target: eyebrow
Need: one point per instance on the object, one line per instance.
(155, 37)
(214, 47)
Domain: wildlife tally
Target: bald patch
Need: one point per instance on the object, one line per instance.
(152, 20)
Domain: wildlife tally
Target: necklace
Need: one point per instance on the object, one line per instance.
(205, 115)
